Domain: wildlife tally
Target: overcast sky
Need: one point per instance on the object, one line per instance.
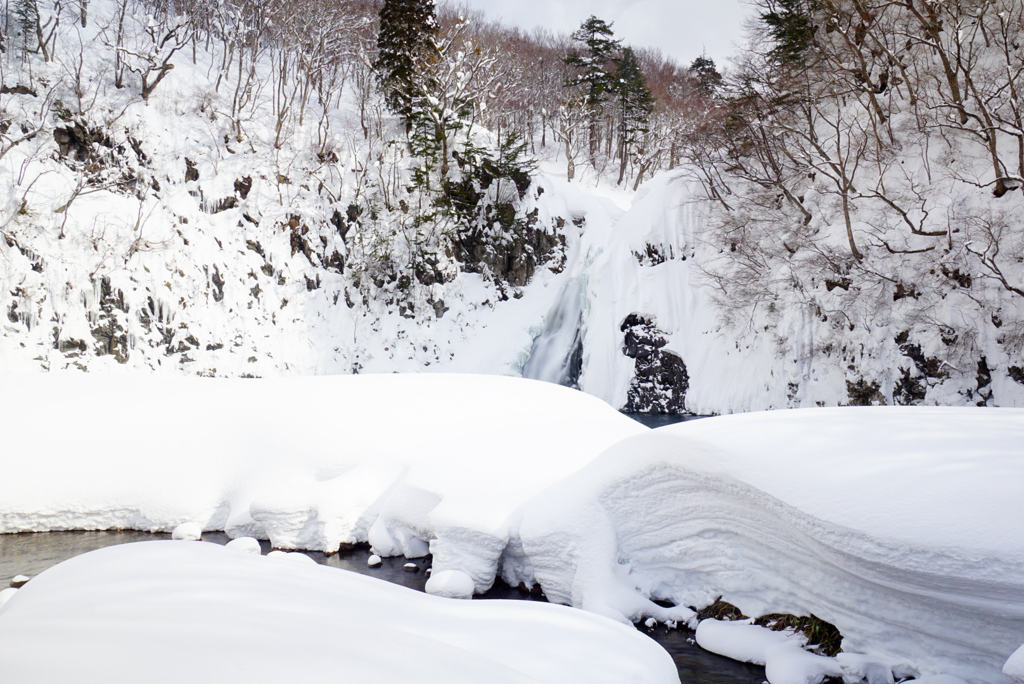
(682, 29)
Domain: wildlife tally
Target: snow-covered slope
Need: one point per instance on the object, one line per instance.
(903, 527)
(181, 234)
(171, 612)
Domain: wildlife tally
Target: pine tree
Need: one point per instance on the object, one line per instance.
(407, 30)
(594, 74)
(27, 14)
(708, 79)
(790, 24)
(635, 104)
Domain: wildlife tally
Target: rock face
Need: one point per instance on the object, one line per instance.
(660, 379)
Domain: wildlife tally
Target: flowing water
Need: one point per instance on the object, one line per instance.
(557, 353)
(31, 554)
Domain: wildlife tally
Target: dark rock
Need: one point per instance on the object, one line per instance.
(243, 186)
(109, 332)
(653, 255)
(721, 610)
(909, 390)
(660, 378)
(903, 291)
(823, 637)
(218, 284)
(863, 393)
(17, 90)
(984, 379)
(191, 172)
(223, 205)
(78, 143)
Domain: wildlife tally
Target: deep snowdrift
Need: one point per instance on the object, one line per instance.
(312, 463)
(191, 612)
(903, 527)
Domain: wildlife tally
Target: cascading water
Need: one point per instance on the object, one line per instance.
(557, 353)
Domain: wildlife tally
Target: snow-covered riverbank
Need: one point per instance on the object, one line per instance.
(904, 527)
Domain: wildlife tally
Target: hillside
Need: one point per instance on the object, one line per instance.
(257, 210)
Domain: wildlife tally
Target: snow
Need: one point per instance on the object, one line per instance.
(451, 584)
(904, 527)
(901, 526)
(7, 594)
(410, 463)
(780, 652)
(1014, 667)
(743, 641)
(201, 613)
(245, 545)
(188, 531)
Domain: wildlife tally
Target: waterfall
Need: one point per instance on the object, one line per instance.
(557, 353)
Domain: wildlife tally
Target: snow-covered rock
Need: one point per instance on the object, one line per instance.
(451, 584)
(245, 545)
(188, 531)
(200, 613)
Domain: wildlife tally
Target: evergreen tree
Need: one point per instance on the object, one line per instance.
(593, 64)
(708, 79)
(790, 24)
(27, 13)
(635, 104)
(407, 31)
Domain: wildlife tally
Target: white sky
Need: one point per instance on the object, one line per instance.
(682, 29)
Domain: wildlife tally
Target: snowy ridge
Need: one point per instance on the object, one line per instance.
(867, 538)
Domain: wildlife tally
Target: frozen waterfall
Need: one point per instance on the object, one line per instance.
(557, 353)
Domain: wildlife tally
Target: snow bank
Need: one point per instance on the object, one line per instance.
(903, 527)
(1014, 667)
(311, 463)
(201, 613)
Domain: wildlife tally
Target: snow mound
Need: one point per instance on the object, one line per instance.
(245, 545)
(403, 461)
(188, 531)
(904, 527)
(1014, 667)
(451, 584)
(244, 618)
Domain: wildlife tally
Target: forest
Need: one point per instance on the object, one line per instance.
(859, 166)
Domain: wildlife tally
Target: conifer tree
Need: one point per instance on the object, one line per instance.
(791, 26)
(27, 14)
(635, 104)
(593, 64)
(407, 30)
(708, 79)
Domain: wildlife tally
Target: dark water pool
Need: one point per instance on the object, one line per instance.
(656, 420)
(31, 554)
